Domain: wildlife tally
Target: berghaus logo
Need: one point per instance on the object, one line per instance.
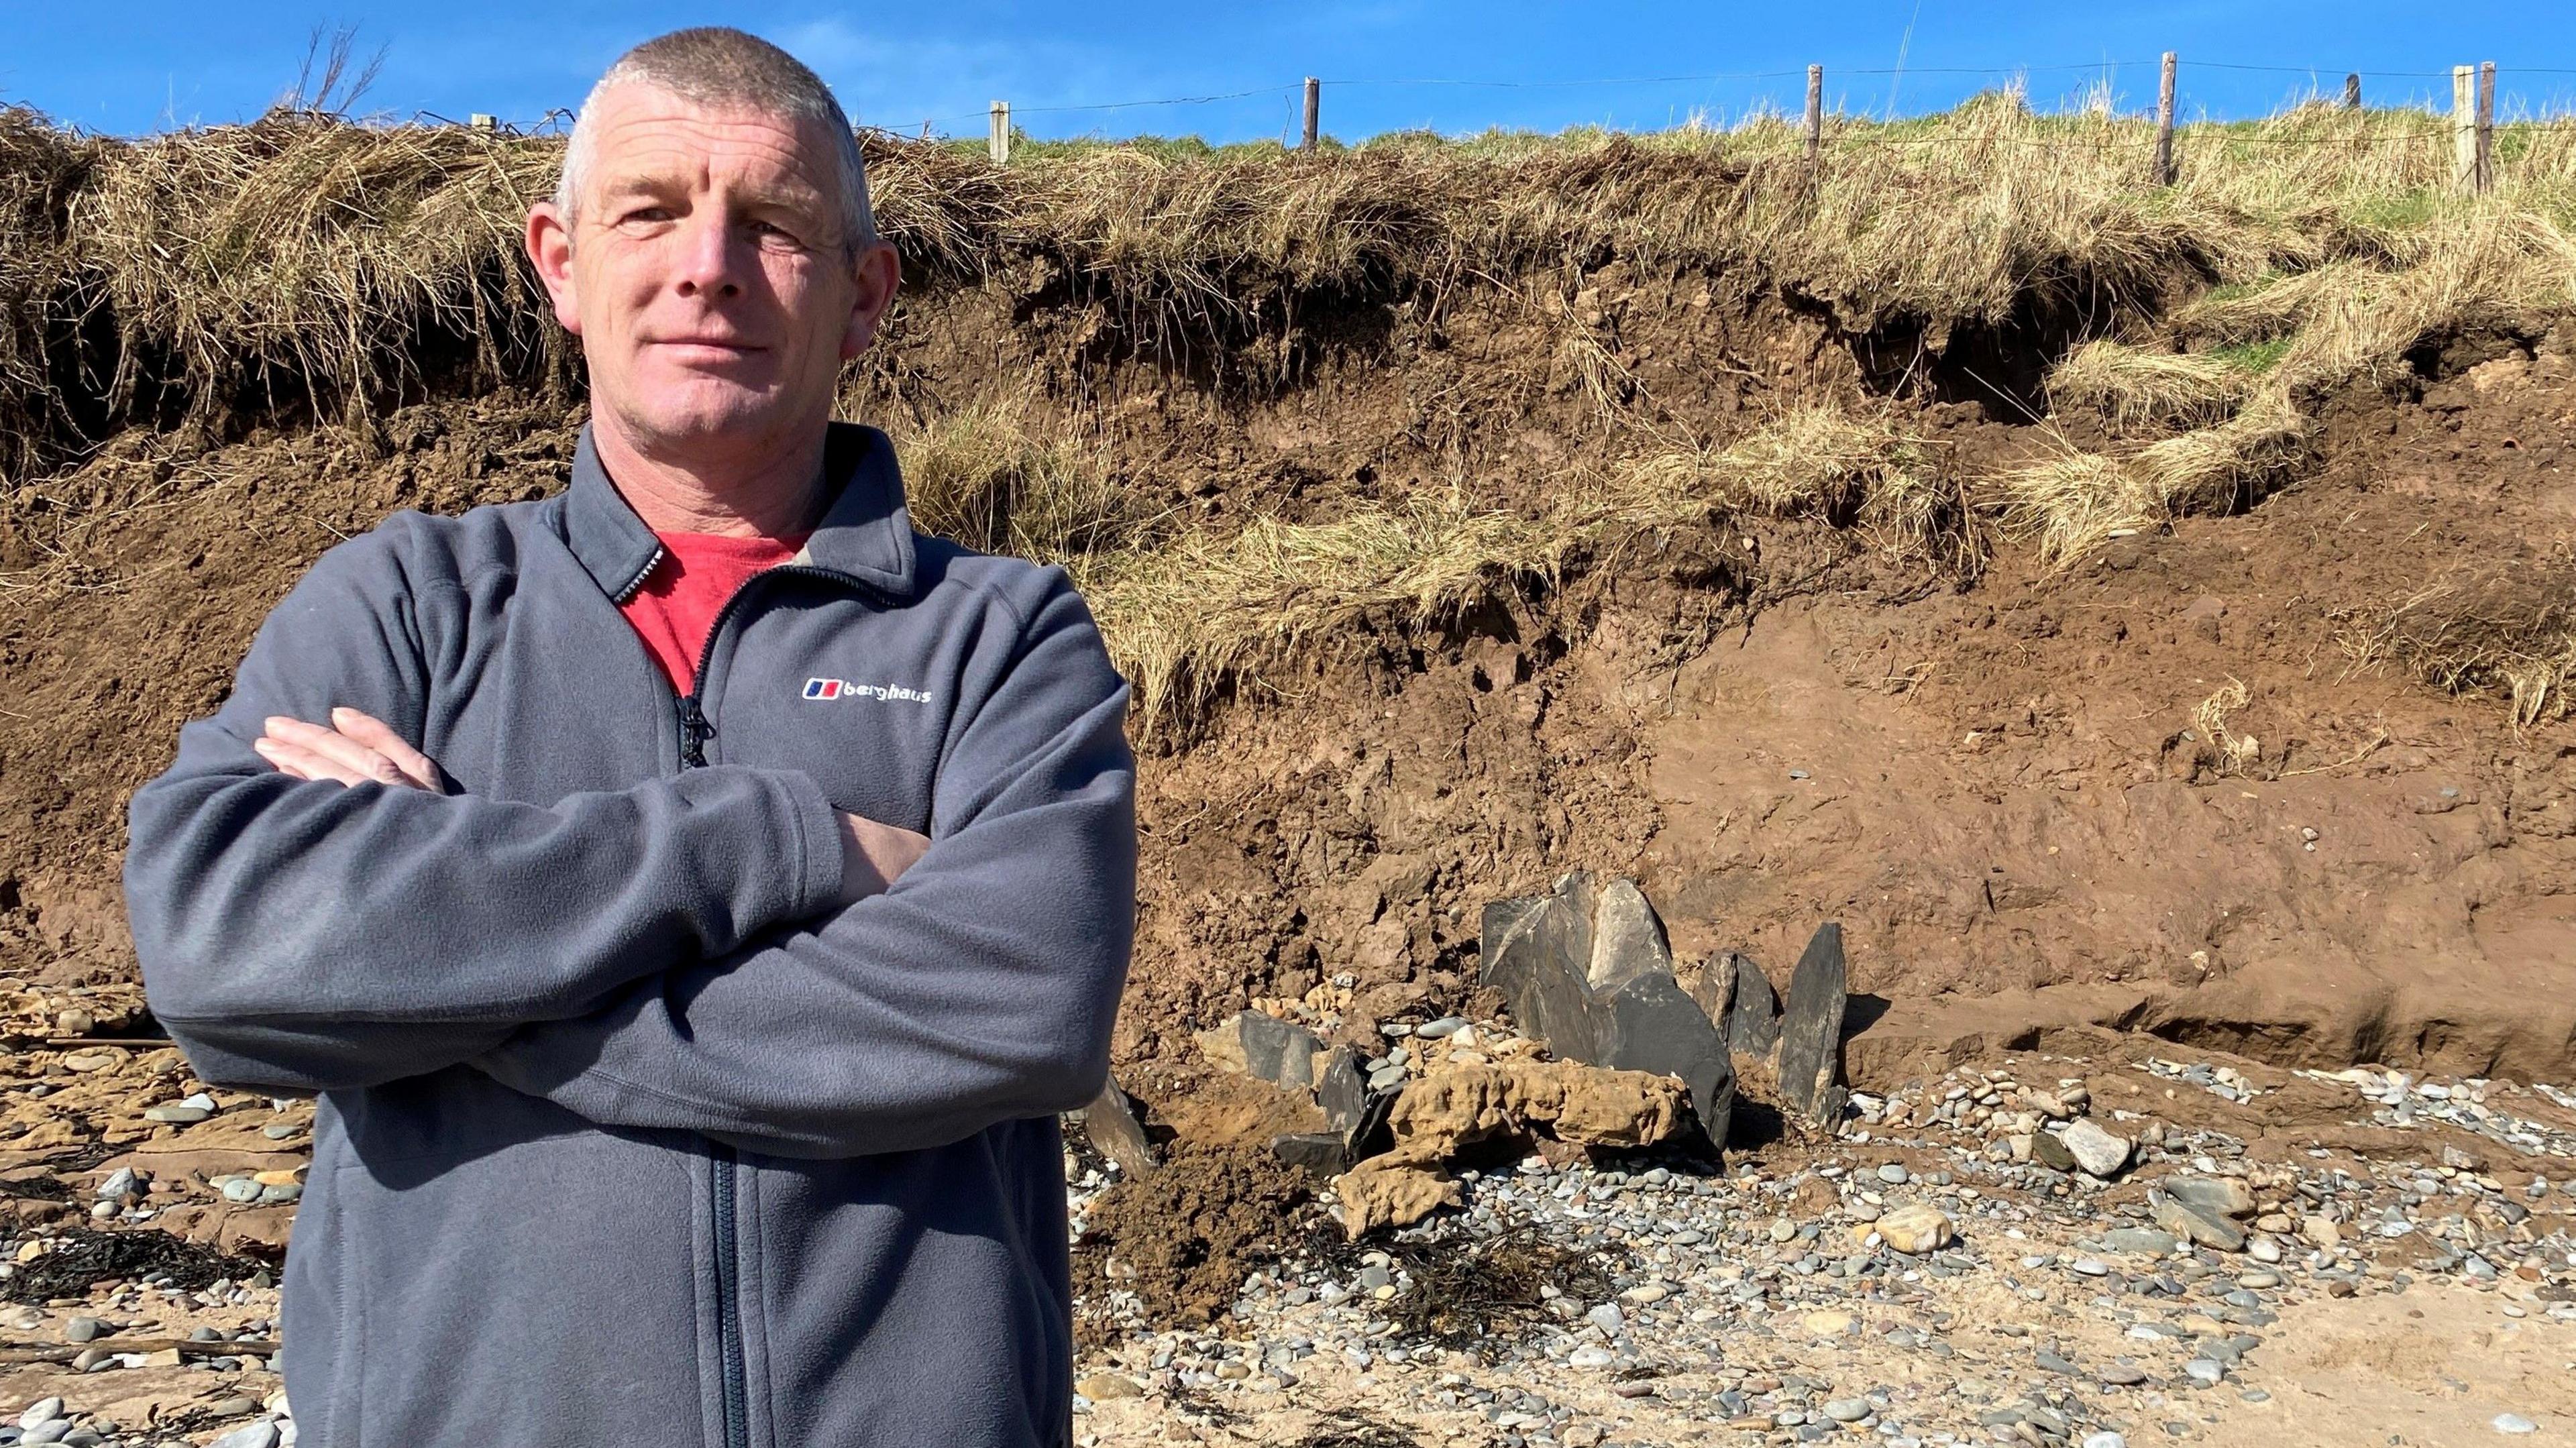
(882, 693)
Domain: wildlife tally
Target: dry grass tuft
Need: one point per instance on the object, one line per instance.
(1194, 611)
(987, 478)
(2511, 633)
(2231, 753)
(2136, 389)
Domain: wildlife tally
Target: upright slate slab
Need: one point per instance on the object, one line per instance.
(1341, 1088)
(1589, 971)
(1110, 1121)
(1811, 1034)
(1753, 1016)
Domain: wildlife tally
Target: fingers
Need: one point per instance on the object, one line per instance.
(379, 736)
(321, 753)
(304, 763)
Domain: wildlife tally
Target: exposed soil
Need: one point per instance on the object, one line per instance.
(1999, 786)
(1183, 1237)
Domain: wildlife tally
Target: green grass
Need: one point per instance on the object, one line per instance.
(2254, 357)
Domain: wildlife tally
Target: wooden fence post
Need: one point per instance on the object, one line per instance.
(1314, 108)
(2486, 126)
(2464, 127)
(1815, 113)
(2164, 123)
(998, 141)
(2352, 92)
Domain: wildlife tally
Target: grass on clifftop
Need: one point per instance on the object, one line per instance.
(302, 265)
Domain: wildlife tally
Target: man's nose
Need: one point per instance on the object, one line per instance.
(711, 258)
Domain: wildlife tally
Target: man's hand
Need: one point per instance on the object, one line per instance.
(362, 749)
(874, 856)
(357, 749)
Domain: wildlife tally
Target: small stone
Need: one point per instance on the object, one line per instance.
(120, 1184)
(81, 1329)
(43, 1410)
(51, 1430)
(1445, 1026)
(235, 1407)
(1608, 1318)
(1589, 1356)
(2226, 1196)
(2208, 1371)
(2098, 1152)
(1784, 1231)
(75, 1022)
(240, 1189)
(252, 1435)
(176, 1115)
(281, 1130)
(2195, 1225)
(2513, 1423)
(1915, 1229)
(1103, 1387)
(1375, 1276)
(1847, 1410)
(1893, 1174)
(2089, 1267)
(2146, 1241)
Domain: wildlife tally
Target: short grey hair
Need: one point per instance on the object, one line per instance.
(717, 66)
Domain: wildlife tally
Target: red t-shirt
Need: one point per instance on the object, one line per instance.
(677, 606)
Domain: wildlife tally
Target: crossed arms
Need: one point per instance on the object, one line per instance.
(720, 951)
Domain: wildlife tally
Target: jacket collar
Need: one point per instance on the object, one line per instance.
(865, 534)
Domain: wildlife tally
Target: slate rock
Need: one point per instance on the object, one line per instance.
(1282, 1053)
(1110, 1122)
(2195, 1225)
(1753, 1015)
(1589, 971)
(2146, 1240)
(1323, 1153)
(1627, 937)
(1341, 1088)
(2219, 1196)
(1811, 1033)
(1372, 1135)
(2050, 1150)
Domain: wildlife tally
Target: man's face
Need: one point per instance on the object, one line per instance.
(708, 274)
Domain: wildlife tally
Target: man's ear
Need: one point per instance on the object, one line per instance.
(878, 273)
(550, 248)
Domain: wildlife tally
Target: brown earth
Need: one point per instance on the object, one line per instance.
(1997, 784)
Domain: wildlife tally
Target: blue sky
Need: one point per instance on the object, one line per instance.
(137, 67)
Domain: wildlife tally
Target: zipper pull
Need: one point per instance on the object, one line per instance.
(695, 731)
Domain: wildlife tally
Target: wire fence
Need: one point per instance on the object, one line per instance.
(948, 126)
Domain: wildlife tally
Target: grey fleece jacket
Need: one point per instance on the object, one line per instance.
(627, 1135)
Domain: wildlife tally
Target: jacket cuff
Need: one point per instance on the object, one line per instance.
(820, 844)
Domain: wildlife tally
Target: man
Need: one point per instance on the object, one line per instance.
(692, 895)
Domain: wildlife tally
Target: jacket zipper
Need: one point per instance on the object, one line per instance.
(694, 733)
(724, 1161)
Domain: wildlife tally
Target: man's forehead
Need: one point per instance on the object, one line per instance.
(641, 129)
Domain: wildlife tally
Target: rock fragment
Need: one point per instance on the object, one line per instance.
(2221, 1196)
(2098, 1153)
(1282, 1053)
(1110, 1121)
(1461, 1105)
(2197, 1225)
(1811, 1033)
(1588, 971)
(1915, 1229)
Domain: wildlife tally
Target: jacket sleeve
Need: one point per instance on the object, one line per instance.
(980, 988)
(304, 936)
